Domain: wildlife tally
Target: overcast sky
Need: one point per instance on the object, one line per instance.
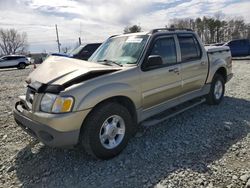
(95, 20)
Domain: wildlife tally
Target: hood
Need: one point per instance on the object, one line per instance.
(65, 71)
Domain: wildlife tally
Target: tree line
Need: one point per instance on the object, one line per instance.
(210, 29)
(214, 29)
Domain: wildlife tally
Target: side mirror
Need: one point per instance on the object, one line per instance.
(154, 60)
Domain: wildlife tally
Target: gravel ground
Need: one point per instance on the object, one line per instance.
(208, 146)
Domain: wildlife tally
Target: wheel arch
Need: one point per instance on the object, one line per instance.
(122, 100)
(217, 67)
(21, 63)
(223, 72)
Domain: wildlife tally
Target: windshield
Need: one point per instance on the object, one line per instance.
(121, 50)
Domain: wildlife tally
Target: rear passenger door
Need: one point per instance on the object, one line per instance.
(13, 61)
(163, 82)
(194, 64)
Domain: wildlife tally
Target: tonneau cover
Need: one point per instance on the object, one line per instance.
(212, 49)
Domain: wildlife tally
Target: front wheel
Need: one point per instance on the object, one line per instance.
(217, 90)
(21, 66)
(107, 130)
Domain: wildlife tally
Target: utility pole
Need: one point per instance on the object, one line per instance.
(80, 41)
(58, 43)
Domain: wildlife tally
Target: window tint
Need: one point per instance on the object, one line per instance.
(8, 58)
(165, 47)
(4, 58)
(91, 48)
(190, 48)
(13, 57)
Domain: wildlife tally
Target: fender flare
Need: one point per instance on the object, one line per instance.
(216, 65)
(105, 92)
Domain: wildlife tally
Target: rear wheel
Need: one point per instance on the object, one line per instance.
(217, 90)
(21, 65)
(107, 130)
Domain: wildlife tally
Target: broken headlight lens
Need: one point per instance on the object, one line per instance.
(56, 104)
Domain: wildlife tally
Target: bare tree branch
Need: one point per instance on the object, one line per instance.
(12, 42)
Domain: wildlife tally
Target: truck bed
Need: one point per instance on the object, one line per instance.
(212, 49)
(219, 54)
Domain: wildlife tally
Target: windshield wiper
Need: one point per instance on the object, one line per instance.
(109, 62)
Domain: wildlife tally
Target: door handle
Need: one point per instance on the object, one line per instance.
(203, 62)
(175, 70)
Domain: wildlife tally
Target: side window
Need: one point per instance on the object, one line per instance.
(90, 48)
(13, 58)
(165, 47)
(95, 46)
(190, 49)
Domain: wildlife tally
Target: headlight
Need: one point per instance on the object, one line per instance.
(56, 104)
(47, 102)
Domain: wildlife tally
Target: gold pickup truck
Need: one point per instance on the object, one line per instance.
(130, 79)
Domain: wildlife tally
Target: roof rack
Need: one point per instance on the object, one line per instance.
(169, 29)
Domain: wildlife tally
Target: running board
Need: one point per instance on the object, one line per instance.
(172, 112)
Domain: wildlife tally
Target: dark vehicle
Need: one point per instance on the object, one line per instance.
(83, 52)
(10, 61)
(239, 47)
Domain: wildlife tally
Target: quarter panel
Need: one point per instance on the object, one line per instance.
(215, 64)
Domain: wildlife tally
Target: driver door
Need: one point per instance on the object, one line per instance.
(161, 83)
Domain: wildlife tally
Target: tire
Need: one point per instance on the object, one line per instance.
(99, 129)
(217, 90)
(21, 66)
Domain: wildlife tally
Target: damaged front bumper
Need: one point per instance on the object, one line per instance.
(55, 130)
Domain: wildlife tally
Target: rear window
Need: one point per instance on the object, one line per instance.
(190, 49)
